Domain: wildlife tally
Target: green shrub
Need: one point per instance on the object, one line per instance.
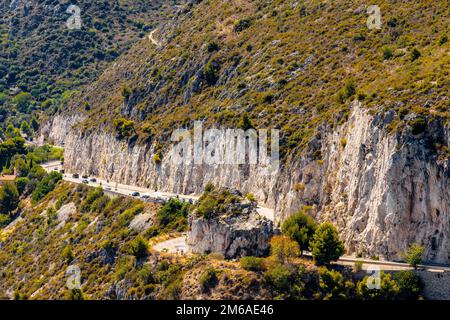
(93, 195)
(67, 254)
(388, 289)
(128, 215)
(387, 54)
(332, 285)
(124, 127)
(250, 197)
(210, 71)
(138, 247)
(418, 125)
(208, 279)
(46, 185)
(173, 216)
(9, 198)
(124, 266)
(414, 255)
(283, 249)
(286, 281)
(242, 24)
(213, 46)
(252, 264)
(146, 275)
(300, 227)
(410, 286)
(209, 187)
(74, 294)
(415, 54)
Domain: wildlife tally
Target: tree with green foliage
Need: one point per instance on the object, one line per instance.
(300, 227)
(173, 215)
(326, 245)
(67, 254)
(210, 72)
(285, 280)
(415, 54)
(410, 286)
(9, 198)
(414, 255)
(10, 148)
(138, 247)
(283, 249)
(245, 123)
(46, 185)
(252, 263)
(21, 185)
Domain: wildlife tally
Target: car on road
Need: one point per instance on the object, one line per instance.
(75, 176)
(145, 197)
(108, 188)
(93, 180)
(85, 181)
(85, 176)
(135, 194)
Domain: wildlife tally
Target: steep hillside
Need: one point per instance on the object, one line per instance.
(41, 56)
(363, 113)
(79, 243)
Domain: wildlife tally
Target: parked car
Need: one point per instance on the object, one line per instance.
(108, 188)
(75, 176)
(85, 181)
(85, 176)
(135, 194)
(93, 180)
(145, 197)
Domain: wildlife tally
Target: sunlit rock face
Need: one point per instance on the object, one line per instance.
(233, 235)
(383, 190)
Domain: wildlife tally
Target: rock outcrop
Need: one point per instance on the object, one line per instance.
(383, 190)
(237, 232)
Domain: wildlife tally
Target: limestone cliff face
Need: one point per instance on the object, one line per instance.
(234, 236)
(383, 190)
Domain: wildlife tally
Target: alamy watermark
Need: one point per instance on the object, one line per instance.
(74, 279)
(74, 21)
(227, 147)
(374, 19)
(374, 278)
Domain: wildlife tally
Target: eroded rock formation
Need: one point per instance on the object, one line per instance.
(384, 190)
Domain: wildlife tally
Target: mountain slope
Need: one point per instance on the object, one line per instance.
(288, 64)
(363, 113)
(40, 55)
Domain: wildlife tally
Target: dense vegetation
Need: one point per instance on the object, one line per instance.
(82, 227)
(282, 64)
(43, 63)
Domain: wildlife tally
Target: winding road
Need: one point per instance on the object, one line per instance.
(152, 39)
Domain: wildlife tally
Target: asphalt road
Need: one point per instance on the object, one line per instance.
(128, 190)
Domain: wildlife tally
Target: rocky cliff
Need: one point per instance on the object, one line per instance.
(237, 231)
(383, 190)
(377, 168)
